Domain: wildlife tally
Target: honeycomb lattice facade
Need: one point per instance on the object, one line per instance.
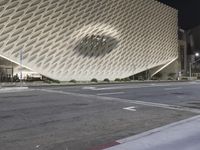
(84, 39)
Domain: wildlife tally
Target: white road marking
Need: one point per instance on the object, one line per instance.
(123, 87)
(88, 88)
(111, 93)
(37, 146)
(153, 84)
(132, 108)
(194, 82)
(14, 89)
(119, 87)
(179, 96)
(176, 88)
(131, 87)
(159, 105)
(67, 148)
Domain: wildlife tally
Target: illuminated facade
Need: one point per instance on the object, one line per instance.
(85, 39)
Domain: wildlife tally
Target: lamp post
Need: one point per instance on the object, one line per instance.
(21, 67)
(191, 63)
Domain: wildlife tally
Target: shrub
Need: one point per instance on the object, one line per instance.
(106, 80)
(94, 80)
(72, 81)
(126, 79)
(16, 78)
(117, 80)
(47, 81)
(169, 78)
(56, 81)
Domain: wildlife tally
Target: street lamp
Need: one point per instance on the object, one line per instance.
(197, 54)
(191, 63)
(21, 57)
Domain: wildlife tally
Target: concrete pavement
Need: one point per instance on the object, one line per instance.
(89, 117)
(183, 135)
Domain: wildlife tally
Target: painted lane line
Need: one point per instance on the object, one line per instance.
(88, 88)
(135, 87)
(132, 108)
(177, 88)
(180, 97)
(130, 87)
(15, 89)
(119, 87)
(111, 93)
(159, 105)
(194, 82)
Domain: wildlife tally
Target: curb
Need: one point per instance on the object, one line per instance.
(88, 84)
(150, 132)
(104, 83)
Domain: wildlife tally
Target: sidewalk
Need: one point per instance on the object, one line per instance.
(40, 83)
(183, 135)
(13, 89)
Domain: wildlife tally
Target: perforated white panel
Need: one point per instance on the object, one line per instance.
(84, 39)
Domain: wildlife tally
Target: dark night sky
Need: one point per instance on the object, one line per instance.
(189, 12)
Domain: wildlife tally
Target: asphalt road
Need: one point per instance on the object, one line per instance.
(87, 117)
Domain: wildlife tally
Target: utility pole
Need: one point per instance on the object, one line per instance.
(190, 69)
(21, 67)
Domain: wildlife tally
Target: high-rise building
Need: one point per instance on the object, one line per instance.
(85, 39)
(182, 36)
(193, 48)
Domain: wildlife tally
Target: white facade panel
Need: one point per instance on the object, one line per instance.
(85, 39)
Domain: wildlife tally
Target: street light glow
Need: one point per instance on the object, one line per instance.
(197, 54)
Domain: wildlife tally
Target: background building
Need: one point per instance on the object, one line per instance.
(83, 39)
(193, 48)
(183, 56)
